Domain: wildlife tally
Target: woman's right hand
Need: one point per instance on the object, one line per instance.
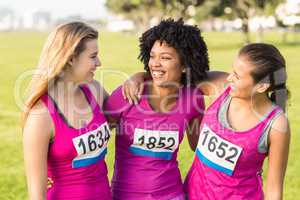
(133, 87)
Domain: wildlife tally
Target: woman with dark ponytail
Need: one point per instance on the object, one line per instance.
(270, 68)
(245, 123)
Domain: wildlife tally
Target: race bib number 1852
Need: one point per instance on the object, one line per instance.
(91, 146)
(216, 152)
(154, 143)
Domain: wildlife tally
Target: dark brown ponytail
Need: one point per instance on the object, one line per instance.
(270, 66)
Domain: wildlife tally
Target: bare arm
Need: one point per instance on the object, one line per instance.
(214, 84)
(36, 137)
(192, 132)
(279, 138)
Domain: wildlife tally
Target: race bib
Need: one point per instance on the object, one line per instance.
(91, 146)
(216, 152)
(154, 143)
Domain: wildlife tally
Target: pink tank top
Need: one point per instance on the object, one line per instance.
(227, 164)
(147, 142)
(76, 156)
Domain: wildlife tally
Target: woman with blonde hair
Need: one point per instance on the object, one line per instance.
(65, 133)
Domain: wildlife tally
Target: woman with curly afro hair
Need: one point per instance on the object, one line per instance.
(150, 131)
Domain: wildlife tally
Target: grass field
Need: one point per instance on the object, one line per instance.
(19, 52)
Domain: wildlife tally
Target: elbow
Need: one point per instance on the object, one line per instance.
(273, 194)
(33, 195)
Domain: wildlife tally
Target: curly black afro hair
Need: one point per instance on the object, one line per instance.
(187, 41)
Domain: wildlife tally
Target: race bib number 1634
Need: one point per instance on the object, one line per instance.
(91, 146)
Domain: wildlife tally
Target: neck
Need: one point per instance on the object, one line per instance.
(258, 103)
(162, 98)
(162, 92)
(65, 88)
(261, 103)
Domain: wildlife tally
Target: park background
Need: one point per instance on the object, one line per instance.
(226, 26)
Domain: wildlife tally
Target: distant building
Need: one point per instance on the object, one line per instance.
(7, 17)
(117, 23)
(41, 20)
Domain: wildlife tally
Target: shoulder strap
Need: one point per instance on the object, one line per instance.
(220, 98)
(271, 116)
(264, 141)
(52, 108)
(90, 98)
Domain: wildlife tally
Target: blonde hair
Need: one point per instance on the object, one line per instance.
(66, 41)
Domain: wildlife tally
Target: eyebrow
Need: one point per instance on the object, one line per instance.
(95, 53)
(162, 53)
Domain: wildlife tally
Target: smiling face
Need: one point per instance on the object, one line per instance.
(241, 82)
(164, 64)
(84, 65)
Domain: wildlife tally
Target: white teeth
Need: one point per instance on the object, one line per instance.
(157, 74)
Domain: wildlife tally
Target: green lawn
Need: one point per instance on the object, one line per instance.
(19, 52)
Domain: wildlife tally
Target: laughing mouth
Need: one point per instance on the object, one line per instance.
(158, 73)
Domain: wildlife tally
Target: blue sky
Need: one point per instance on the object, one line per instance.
(59, 8)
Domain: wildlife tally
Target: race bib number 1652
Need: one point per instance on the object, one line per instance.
(216, 152)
